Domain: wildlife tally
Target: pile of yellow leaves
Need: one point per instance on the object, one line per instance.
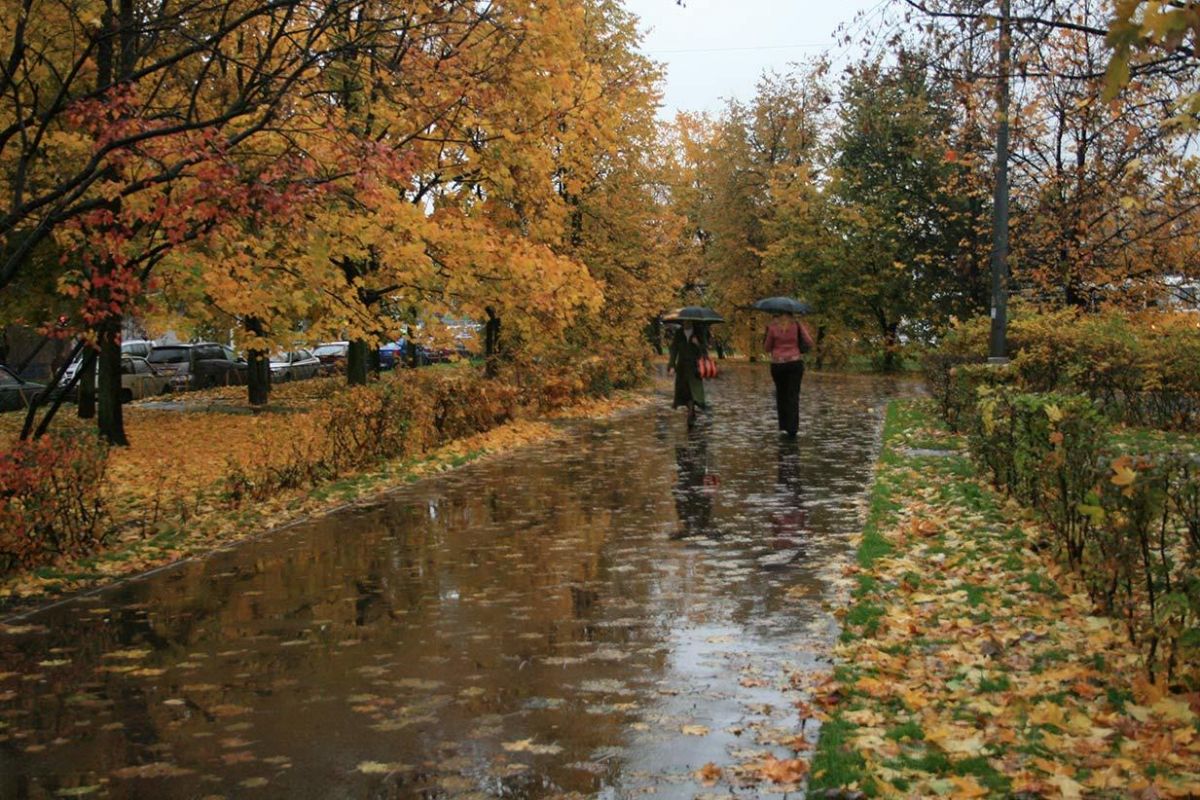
(974, 666)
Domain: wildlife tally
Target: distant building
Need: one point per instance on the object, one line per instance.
(1181, 293)
(36, 357)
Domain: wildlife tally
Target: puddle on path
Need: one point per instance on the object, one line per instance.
(602, 617)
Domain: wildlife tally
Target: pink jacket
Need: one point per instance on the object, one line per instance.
(783, 341)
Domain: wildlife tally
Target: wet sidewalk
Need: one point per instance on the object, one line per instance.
(603, 617)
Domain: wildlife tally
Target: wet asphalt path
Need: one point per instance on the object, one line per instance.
(600, 617)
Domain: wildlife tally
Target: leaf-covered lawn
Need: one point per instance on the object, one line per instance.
(971, 665)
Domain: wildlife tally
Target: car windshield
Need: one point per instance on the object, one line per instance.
(7, 379)
(330, 350)
(169, 355)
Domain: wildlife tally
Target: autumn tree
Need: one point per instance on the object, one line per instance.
(1102, 203)
(121, 137)
(469, 181)
(900, 222)
(734, 166)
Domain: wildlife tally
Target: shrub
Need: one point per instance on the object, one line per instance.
(966, 382)
(1138, 369)
(1143, 564)
(404, 414)
(1057, 446)
(1130, 525)
(51, 500)
(965, 344)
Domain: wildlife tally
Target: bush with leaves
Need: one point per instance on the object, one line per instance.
(400, 416)
(51, 500)
(1129, 524)
(1138, 368)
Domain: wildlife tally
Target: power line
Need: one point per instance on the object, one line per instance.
(808, 45)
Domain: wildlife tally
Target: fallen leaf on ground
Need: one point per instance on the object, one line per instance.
(380, 768)
(529, 746)
(709, 774)
(785, 770)
(155, 769)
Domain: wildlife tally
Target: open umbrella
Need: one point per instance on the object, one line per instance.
(782, 305)
(693, 314)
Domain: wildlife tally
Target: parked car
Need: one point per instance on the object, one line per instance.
(198, 366)
(294, 366)
(396, 354)
(332, 356)
(137, 347)
(134, 347)
(439, 355)
(15, 392)
(139, 379)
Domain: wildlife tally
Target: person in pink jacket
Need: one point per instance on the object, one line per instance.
(786, 343)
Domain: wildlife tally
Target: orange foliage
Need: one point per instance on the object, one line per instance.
(52, 506)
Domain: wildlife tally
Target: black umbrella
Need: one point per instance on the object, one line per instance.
(782, 305)
(693, 314)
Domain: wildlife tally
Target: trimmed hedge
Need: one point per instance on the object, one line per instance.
(54, 501)
(1139, 369)
(1128, 524)
(403, 415)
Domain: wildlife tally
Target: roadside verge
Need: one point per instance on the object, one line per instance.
(971, 665)
(170, 496)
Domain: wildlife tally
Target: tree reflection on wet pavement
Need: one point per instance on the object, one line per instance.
(601, 617)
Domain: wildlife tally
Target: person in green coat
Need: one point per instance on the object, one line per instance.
(687, 346)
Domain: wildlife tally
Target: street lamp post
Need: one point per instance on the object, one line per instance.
(998, 344)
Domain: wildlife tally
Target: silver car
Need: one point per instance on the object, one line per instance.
(139, 378)
(294, 366)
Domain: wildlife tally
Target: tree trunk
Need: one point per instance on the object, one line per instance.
(654, 332)
(87, 389)
(109, 419)
(491, 342)
(820, 347)
(258, 377)
(356, 363)
(890, 343)
(414, 355)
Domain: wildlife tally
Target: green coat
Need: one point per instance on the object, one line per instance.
(685, 355)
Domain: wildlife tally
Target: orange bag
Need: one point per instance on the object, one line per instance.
(706, 367)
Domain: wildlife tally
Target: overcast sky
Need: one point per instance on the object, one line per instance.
(716, 49)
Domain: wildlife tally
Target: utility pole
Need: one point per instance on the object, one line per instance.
(998, 343)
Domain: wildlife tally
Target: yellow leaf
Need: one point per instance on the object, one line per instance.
(787, 770)
(1123, 474)
(1140, 713)
(529, 746)
(1048, 714)
(709, 774)
(1069, 788)
(1175, 710)
(967, 786)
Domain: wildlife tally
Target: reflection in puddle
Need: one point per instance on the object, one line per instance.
(603, 616)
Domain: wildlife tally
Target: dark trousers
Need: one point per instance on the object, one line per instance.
(787, 379)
